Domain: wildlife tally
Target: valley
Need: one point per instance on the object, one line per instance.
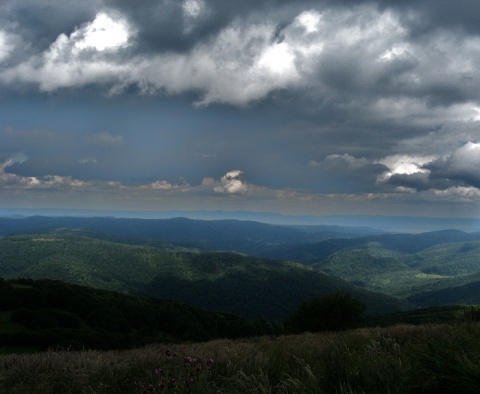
(252, 269)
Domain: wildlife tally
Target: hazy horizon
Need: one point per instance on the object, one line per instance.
(309, 108)
(409, 224)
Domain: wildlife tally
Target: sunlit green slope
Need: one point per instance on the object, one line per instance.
(248, 286)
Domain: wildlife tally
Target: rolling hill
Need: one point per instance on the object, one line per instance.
(466, 294)
(449, 259)
(252, 287)
(312, 252)
(402, 275)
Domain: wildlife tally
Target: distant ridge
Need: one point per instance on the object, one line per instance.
(386, 223)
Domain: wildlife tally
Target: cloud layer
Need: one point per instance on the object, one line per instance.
(245, 101)
(336, 54)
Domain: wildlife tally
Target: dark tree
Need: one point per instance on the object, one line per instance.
(331, 313)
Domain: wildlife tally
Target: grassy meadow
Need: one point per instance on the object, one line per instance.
(439, 358)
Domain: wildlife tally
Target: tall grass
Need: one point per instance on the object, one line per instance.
(399, 359)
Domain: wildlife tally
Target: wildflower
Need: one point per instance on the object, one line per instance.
(187, 360)
(148, 389)
(209, 362)
(157, 371)
(161, 386)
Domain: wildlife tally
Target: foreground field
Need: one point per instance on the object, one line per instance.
(399, 359)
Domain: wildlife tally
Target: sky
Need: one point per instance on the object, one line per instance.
(295, 107)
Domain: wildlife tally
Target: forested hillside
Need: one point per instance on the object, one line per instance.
(312, 252)
(45, 313)
(228, 282)
(375, 267)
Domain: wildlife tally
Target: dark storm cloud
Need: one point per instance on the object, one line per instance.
(417, 181)
(161, 23)
(461, 167)
(41, 22)
(422, 182)
(164, 25)
(430, 15)
(346, 52)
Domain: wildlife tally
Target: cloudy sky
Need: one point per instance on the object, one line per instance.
(296, 107)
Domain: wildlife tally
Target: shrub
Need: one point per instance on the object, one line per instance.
(331, 313)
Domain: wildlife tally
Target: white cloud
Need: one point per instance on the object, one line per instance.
(193, 11)
(458, 193)
(476, 115)
(461, 166)
(245, 62)
(466, 158)
(16, 158)
(57, 181)
(14, 181)
(237, 67)
(232, 183)
(278, 59)
(454, 173)
(6, 47)
(397, 51)
(161, 185)
(104, 33)
(193, 8)
(404, 165)
(309, 20)
(87, 56)
(165, 185)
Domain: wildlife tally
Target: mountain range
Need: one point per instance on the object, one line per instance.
(256, 270)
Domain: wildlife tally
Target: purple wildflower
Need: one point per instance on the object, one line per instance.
(209, 362)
